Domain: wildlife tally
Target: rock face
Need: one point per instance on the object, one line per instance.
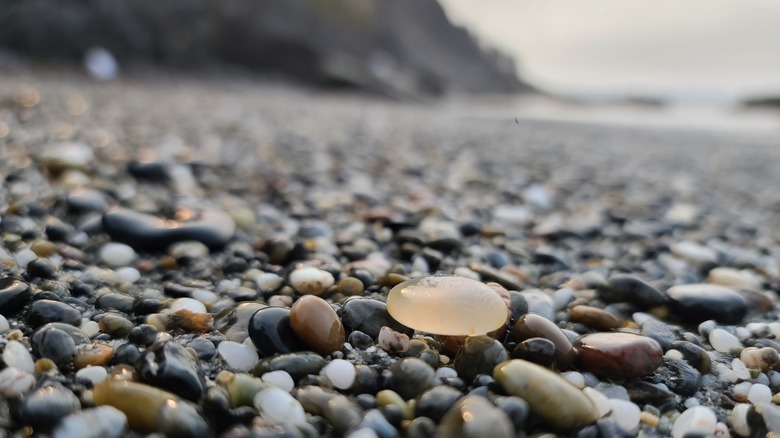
(399, 47)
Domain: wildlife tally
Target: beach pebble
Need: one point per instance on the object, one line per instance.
(698, 420)
(280, 379)
(14, 295)
(723, 341)
(117, 254)
(759, 358)
(16, 355)
(630, 289)
(531, 326)
(730, 277)
(447, 305)
(190, 304)
(92, 374)
(625, 413)
(277, 406)
(317, 324)
(14, 382)
(311, 280)
(701, 302)
(101, 422)
(759, 393)
(474, 416)
(618, 355)
(340, 372)
(239, 357)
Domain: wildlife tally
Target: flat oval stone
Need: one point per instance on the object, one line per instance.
(369, 316)
(213, 228)
(317, 324)
(618, 355)
(14, 294)
(45, 311)
(298, 365)
(594, 317)
(550, 396)
(629, 289)
(532, 325)
(271, 332)
(694, 303)
(453, 306)
(474, 416)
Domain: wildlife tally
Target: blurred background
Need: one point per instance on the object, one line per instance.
(707, 63)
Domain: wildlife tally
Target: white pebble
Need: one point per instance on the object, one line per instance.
(14, 382)
(723, 341)
(16, 355)
(641, 317)
(731, 277)
(340, 372)
(94, 374)
(24, 257)
(466, 273)
(100, 422)
(774, 327)
(363, 432)
(91, 328)
(277, 406)
(129, 274)
(190, 304)
(205, 296)
(576, 379)
(280, 379)
(758, 329)
(311, 280)
(116, 254)
(101, 64)
(741, 390)
(4, 325)
(603, 406)
(740, 370)
(625, 413)
(698, 419)
(188, 248)
(268, 281)
(238, 356)
(445, 373)
(725, 373)
(691, 402)
(673, 354)
(759, 393)
(774, 378)
(738, 419)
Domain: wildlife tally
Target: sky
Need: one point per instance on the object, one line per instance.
(686, 50)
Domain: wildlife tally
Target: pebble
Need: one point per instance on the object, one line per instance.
(699, 420)
(212, 228)
(16, 355)
(435, 402)
(311, 280)
(369, 316)
(474, 416)
(42, 312)
(268, 282)
(234, 322)
(759, 358)
(618, 355)
(447, 305)
(532, 325)
(759, 393)
(44, 407)
(14, 382)
(280, 379)
(170, 366)
(271, 332)
(723, 341)
(92, 354)
(298, 365)
(561, 404)
(317, 324)
(340, 372)
(733, 278)
(239, 357)
(277, 406)
(190, 304)
(102, 422)
(625, 413)
(117, 254)
(14, 295)
(92, 374)
(479, 355)
(700, 302)
(412, 377)
(629, 289)
(594, 317)
(191, 249)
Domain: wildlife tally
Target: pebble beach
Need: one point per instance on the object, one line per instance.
(195, 256)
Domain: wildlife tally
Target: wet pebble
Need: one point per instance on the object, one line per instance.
(630, 289)
(311, 280)
(540, 351)
(698, 420)
(474, 416)
(277, 406)
(701, 302)
(369, 316)
(92, 354)
(117, 254)
(298, 365)
(239, 357)
(532, 325)
(102, 422)
(594, 317)
(44, 407)
(14, 295)
(435, 402)
(618, 355)
(42, 312)
(271, 333)
(412, 376)
(479, 355)
(171, 367)
(340, 372)
(14, 382)
(16, 355)
(317, 324)
(723, 341)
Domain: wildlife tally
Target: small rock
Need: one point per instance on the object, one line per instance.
(474, 416)
(341, 373)
(277, 406)
(317, 324)
(311, 280)
(723, 341)
(117, 254)
(618, 355)
(700, 302)
(698, 420)
(102, 422)
(239, 357)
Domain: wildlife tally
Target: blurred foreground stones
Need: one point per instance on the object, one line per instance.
(401, 48)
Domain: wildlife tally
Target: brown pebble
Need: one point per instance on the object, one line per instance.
(125, 372)
(43, 366)
(190, 321)
(350, 286)
(317, 324)
(594, 317)
(168, 263)
(532, 325)
(43, 248)
(92, 354)
(618, 355)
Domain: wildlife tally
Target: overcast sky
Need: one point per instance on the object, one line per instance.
(689, 49)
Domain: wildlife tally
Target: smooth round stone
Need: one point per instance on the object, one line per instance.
(57, 345)
(14, 295)
(618, 355)
(699, 420)
(4, 324)
(310, 280)
(723, 341)
(92, 374)
(190, 304)
(271, 332)
(16, 355)
(128, 274)
(532, 325)
(731, 277)
(268, 281)
(42, 312)
(693, 354)
(298, 365)
(454, 306)
(45, 406)
(234, 322)
(317, 324)
(435, 402)
(550, 396)
(14, 382)
(239, 357)
(350, 286)
(277, 406)
(112, 300)
(629, 289)
(171, 367)
(475, 416)
(625, 413)
(412, 376)
(189, 321)
(594, 317)
(479, 355)
(115, 325)
(280, 379)
(695, 303)
(340, 372)
(759, 358)
(759, 393)
(213, 228)
(151, 410)
(102, 422)
(117, 254)
(189, 249)
(369, 316)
